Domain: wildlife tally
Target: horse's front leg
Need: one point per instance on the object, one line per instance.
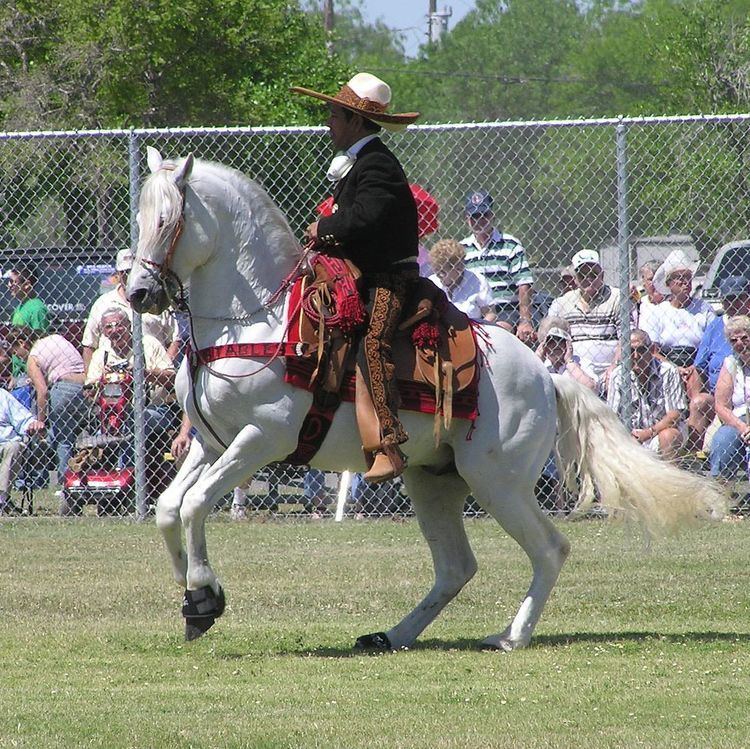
(204, 597)
(170, 501)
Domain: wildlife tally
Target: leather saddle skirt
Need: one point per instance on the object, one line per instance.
(435, 350)
(444, 335)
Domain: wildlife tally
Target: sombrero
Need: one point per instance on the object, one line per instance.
(368, 96)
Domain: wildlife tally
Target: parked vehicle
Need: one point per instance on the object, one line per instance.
(69, 280)
(732, 259)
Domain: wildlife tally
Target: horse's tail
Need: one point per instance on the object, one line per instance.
(597, 453)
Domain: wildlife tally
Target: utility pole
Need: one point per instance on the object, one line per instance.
(328, 24)
(437, 22)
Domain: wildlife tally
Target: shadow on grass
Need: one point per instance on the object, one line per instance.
(614, 637)
(549, 641)
(229, 648)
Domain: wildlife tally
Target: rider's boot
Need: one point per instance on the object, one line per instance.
(388, 463)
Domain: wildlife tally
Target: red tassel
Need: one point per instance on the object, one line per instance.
(351, 312)
(425, 335)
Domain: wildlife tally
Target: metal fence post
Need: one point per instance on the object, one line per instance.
(139, 369)
(625, 270)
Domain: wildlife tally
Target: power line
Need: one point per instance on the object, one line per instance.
(518, 80)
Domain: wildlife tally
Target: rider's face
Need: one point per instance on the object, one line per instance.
(344, 127)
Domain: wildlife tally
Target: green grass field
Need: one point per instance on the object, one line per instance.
(637, 648)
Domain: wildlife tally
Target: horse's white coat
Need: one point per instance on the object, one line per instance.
(234, 252)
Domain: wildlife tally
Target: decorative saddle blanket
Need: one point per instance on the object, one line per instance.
(436, 353)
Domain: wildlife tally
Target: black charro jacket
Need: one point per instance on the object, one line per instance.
(374, 222)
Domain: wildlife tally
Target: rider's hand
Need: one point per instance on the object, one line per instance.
(311, 234)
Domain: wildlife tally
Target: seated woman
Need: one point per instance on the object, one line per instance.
(55, 368)
(730, 443)
(469, 291)
(556, 351)
(676, 326)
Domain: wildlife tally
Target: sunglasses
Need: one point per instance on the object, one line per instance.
(640, 349)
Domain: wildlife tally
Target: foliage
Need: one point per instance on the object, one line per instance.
(157, 63)
(634, 648)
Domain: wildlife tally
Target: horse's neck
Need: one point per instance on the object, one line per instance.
(255, 250)
(230, 299)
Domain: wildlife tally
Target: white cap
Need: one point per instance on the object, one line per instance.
(556, 332)
(585, 257)
(124, 260)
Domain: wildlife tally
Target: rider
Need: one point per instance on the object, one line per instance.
(373, 224)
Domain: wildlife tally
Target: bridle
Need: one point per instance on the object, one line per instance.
(162, 272)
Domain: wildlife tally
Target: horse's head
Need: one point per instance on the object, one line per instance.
(202, 222)
(159, 270)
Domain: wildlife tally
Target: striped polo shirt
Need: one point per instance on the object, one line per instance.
(594, 327)
(502, 262)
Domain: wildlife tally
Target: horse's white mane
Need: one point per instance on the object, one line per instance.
(161, 203)
(160, 207)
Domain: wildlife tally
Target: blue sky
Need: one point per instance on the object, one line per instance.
(410, 16)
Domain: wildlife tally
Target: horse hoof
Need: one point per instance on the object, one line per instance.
(197, 627)
(376, 641)
(201, 608)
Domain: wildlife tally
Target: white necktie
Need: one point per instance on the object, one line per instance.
(340, 166)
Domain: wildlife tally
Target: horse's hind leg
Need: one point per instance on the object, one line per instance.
(514, 506)
(438, 502)
(168, 507)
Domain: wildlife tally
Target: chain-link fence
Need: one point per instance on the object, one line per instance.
(614, 224)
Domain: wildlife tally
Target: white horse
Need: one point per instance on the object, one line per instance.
(215, 229)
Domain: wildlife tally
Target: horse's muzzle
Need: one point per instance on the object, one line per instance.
(144, 300)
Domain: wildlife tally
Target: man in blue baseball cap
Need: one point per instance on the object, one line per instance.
(714, 346)
(501, 259)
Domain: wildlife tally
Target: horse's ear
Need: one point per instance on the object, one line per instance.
(154, 159)
(182, 174)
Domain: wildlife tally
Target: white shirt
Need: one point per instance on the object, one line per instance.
(471, 295)
(344, 161)
(594, 326)
(155, 357)
(741, 386)
(163, 327)
(668, 325)
(14, 418)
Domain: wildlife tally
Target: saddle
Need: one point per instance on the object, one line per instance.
(434, 347)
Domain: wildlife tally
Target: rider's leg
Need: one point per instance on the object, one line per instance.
(389, 293)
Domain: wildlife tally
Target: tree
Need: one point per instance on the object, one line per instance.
(119, 63)
(500, 62)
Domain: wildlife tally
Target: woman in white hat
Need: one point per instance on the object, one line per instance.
(676, 326)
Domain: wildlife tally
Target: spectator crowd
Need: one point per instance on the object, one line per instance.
(680, 383)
